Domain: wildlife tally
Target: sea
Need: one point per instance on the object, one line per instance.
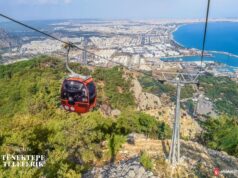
(221, 43)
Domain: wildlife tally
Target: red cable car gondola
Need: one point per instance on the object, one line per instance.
(78, 92)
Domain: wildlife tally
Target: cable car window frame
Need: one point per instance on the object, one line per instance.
(74, 89)
(91, 91)
(82, 90)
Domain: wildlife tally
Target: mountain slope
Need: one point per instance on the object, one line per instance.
(32, 121)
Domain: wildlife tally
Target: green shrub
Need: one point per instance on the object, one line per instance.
(151, 85)
(114, 144)
(117, 89)
(221, 134)
(146, 161)
(140, 122)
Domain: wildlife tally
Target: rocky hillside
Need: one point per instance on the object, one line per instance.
(125, 168)
(151, 104)
(127, 135)
(189, 127)
(145, 101)
(196, 161)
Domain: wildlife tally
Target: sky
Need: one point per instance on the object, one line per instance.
(116, 9)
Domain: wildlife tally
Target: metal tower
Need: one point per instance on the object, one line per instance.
(178, 79)
(84, 55)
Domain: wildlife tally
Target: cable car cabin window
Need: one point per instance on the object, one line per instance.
(74, 91)
(92, 92)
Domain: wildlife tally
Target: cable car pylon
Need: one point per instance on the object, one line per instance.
(181, 79)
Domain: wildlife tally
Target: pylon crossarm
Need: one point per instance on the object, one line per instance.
(172, 77)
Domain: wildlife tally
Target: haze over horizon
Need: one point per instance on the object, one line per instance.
(116, 9)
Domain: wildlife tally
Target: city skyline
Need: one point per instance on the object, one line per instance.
(116, 9)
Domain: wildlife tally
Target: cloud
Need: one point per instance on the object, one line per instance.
(44, 1)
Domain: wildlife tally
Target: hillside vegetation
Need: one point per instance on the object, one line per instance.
(219, 133)
(223, 92)
(32, 122)
(151, 85)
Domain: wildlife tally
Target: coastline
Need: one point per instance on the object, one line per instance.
(172, 35)
(177, 45)
(225, 53)
(209, 52)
